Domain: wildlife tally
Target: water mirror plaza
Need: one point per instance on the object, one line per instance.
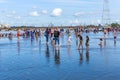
(59, 39)
(26, 59)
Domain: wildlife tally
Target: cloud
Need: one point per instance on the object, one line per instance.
(98, 21)
(56, 12)
(44, 11)
(78, 1)
(79, 14)
(13, 16)
(35, 13)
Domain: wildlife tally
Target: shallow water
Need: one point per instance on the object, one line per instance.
(33, 60)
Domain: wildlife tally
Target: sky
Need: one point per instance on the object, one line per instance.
(56, 12)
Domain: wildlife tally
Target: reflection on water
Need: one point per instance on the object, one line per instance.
(0, 54)
(47, 52)
(31, 41)
(39, 43)
(51, 62)
(114, 42)
(87, 55)
(105, 42)
(69, 50)
(77, 41)
(57, 57)
(81, 56)
(18, 46)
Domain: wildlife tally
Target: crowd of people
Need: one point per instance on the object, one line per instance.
(52, 35)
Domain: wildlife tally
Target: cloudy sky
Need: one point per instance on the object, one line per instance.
(57, 12)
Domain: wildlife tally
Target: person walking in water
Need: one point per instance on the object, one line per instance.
(87, 42)
(32, 34)
(18, 34)
(81, 42)
(69, 40)
(56, 37)
(47, 35)
(115, 37)
(115, 34)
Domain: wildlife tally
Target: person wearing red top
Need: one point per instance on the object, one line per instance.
(18, 33)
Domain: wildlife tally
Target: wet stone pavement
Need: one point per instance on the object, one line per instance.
(33, 60)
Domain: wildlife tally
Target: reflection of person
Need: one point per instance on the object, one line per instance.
(31, 42)
(18, 45)
(69, 50)
(87, 56)
(105, 42)
(57, 57)
(47, 53)
(115, 42)
(81, 57)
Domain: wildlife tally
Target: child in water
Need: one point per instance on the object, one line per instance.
(69, 40)
(101, 42)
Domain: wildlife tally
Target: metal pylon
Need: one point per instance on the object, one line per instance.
(106, 14)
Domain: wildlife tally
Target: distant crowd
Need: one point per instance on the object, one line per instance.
(52, 35)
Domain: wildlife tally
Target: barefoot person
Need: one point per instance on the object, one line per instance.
(56, 37)
(46, 35)
(81, 42)
(18, 34)
(115, 35)
(87, 42)
(69, 40)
